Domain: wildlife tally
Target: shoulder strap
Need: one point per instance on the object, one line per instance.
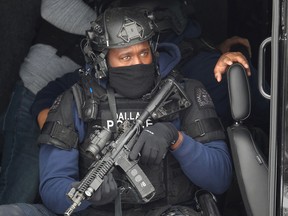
(88, 94)
(112, 106)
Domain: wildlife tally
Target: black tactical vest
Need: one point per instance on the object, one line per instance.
(170, 183)
(172, 186)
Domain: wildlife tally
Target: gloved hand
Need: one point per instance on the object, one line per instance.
(153, 143)
(106, 193)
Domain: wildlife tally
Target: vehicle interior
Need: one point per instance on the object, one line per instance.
(259, 181)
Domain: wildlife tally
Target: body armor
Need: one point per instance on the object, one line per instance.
(171, 184)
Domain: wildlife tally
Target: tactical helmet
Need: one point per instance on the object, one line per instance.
(120, 27)
(116, 28)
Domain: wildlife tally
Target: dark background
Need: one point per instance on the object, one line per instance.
(18, 20)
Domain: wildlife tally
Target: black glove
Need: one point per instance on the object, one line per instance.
(153, 143)
(106, 193)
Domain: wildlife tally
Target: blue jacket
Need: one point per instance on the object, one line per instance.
(206, 165)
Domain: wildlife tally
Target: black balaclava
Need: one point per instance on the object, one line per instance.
(132, 81)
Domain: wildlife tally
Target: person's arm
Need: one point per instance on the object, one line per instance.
(42, 116)
(73, 16)
(207, 165)
(228, 44)
(45, 97)
(58, 171)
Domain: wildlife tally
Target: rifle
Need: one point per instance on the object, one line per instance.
(117, 151)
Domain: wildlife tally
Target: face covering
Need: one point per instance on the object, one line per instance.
(132, 81)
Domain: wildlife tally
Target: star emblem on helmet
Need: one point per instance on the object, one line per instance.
(131, 30)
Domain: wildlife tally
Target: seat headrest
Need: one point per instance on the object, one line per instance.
(239, 92)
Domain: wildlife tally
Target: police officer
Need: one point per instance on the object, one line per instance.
(179, 154)
(177, 24)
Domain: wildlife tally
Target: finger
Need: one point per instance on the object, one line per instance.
(146, 154)
(101, 190)
(136, 148)
(97, 195)
(227, 61)
(218, 76)
(111, 182)
(242, 60)
(158, 158)
(105, 189)
(221, 65)
(153, 156)
(105, 185)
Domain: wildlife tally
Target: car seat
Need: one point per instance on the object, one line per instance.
(249, 163)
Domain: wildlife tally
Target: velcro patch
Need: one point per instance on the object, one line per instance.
(203, 98)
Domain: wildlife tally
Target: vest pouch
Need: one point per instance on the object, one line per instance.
(200, 120)
(155, 175)
(59, 129)
(179, 188)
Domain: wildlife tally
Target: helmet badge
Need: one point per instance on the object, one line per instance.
(131, 30)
